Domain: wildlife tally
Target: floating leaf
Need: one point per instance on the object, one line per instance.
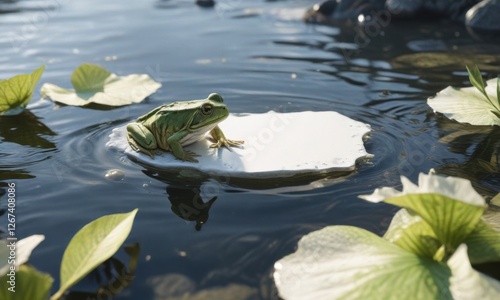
(92, 245)
(94, 84)
(16, 92)
(29, 284)
(23, 248)
(344, 262)
(469, 104)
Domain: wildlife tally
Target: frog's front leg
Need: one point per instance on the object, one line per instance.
(174, 142)
(218, 135)
(141, 139)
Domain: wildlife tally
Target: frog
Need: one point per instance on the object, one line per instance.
(169, 127)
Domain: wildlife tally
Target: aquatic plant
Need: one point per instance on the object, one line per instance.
(94, 84)
(16, 92)
(425, 254)
(90, 246)
(478, 105)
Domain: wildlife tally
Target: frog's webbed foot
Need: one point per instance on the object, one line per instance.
(226, 143)
(189, 156)
(218, 135)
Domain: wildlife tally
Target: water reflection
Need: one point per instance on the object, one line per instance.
(25, 129)
(188, 204)
(481, 147)
(112, 276)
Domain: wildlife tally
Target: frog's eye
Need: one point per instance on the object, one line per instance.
(206, 109)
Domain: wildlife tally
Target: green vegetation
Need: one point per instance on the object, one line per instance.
(90, 246)
(425, 254)
(16, 92)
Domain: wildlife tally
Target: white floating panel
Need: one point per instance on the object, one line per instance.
(276, 145)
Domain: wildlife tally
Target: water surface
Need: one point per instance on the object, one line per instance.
(260, 56)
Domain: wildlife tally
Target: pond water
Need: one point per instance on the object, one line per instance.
(260, 56)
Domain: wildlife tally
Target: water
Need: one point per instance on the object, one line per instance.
(260, 56)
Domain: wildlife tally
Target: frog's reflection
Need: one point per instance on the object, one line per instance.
(188, 204)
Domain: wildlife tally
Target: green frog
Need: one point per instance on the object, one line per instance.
(171, 126)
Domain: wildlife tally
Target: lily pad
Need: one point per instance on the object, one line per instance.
(94, 84)
(469, 105)
(277, 145)
(16, 92)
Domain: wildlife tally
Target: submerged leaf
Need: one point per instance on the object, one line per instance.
(94, 84)
(16, 92)
(92, 245)
(344, 262)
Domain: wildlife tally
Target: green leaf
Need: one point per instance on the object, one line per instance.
(29, 284)
(496, 200)
(92, 245)
(94, 84)
(89, 78)
(498, 90)
(477, 80)
(17, 91)
(344, 262)
(483, 244)
(413, 234)
(451, 220)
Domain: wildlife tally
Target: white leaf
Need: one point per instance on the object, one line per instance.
(468, 105)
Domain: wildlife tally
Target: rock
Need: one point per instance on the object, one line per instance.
(476, 14)
(205, 3)
(484, 15)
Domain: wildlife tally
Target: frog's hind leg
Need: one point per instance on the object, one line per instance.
(141, 139)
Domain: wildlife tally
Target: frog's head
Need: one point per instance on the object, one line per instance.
(209, 111)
